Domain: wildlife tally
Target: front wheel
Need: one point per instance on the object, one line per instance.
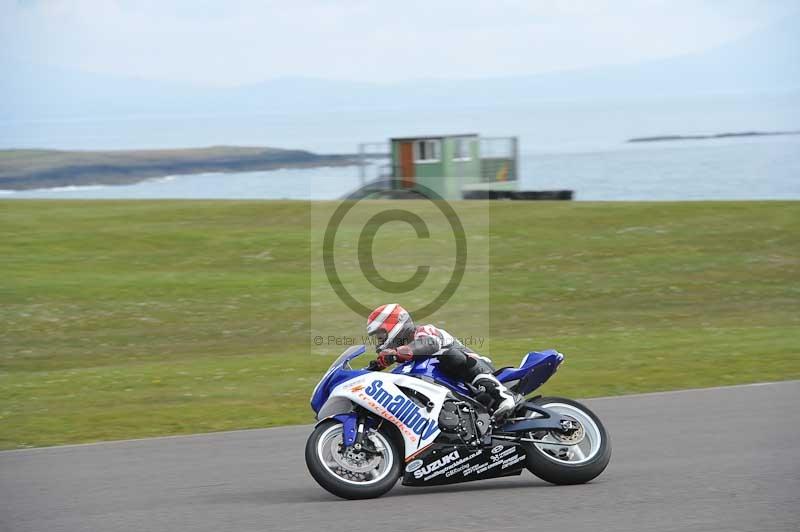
(348, 473)
(573, 457)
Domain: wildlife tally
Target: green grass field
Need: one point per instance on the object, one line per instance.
(133, 319)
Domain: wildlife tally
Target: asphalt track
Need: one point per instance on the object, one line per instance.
(723, 459)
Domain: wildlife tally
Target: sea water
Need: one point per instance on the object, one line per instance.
(563, 145)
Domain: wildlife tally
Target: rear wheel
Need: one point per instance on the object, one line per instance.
(349, 473)
(574, 456)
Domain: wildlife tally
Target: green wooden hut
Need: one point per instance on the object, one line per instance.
(451, 164)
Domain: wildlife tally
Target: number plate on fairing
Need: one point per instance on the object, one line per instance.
(449, 464)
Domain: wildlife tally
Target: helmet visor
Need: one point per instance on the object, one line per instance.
(380, 337)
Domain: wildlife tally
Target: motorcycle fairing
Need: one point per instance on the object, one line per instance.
(535, 369)
(383, 395)
(451, 464)
(428, 368)
(338, 372)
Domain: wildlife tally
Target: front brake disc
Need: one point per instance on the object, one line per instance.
(352, 460)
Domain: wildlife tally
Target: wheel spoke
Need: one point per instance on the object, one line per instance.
(557, 450)
(576, 449)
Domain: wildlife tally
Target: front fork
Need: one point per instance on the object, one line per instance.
(354, 425)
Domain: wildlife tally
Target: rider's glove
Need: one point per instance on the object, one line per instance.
(404, 354)
(386, 358)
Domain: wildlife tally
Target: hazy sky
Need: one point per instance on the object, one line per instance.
(232, 42)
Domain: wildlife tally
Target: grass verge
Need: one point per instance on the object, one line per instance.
(132, 319)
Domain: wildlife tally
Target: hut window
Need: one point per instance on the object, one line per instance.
(427, 151)
(461, 152)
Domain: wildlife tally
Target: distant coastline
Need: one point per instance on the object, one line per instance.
(24, 169)
(666, 138)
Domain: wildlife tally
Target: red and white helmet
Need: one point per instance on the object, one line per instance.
(392, 324)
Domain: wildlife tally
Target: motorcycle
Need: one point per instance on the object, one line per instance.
(416, 423)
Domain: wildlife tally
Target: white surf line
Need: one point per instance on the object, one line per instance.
(235, 431)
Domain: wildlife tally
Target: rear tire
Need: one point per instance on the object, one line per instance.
(550, 468)
(351, 489)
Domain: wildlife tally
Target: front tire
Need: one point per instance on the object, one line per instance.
(562, 464)
(354, 475)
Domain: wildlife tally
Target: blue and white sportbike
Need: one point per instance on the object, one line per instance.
(416, 423)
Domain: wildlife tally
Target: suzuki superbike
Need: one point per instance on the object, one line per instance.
(417, 424)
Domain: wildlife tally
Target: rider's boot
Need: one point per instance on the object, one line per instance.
(503, 400)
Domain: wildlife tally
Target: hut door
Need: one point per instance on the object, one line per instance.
(407, 164)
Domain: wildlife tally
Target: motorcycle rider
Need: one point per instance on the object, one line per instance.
(399, 340)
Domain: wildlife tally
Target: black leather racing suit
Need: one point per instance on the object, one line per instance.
(455, 360)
